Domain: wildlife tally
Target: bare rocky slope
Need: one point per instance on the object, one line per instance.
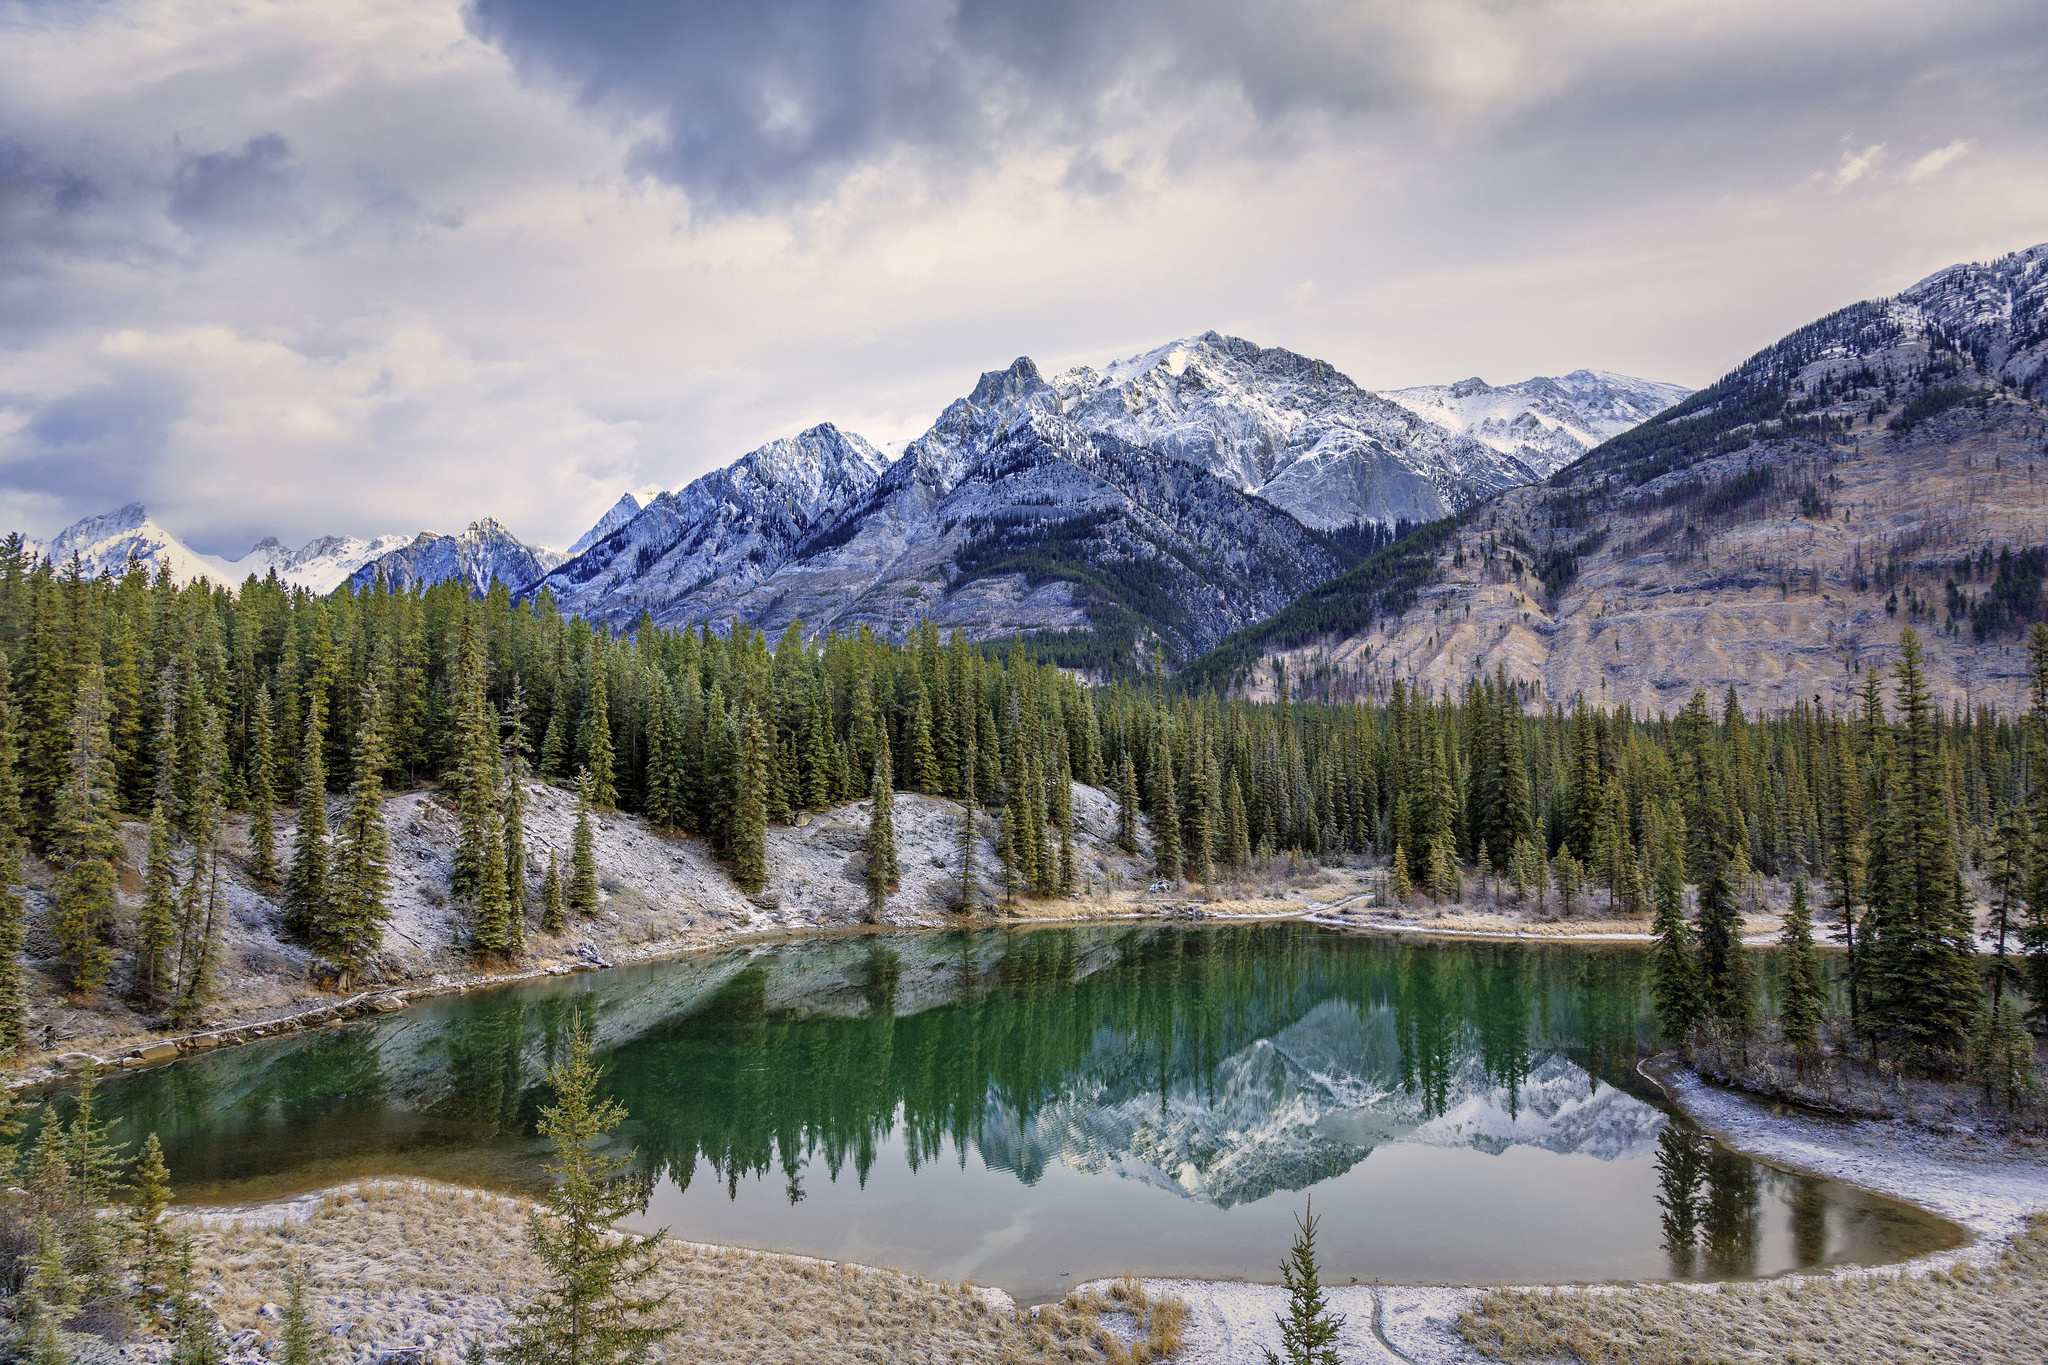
(1886, 466)
(661, 892)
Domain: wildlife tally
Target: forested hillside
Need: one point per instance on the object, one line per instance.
(136, 699)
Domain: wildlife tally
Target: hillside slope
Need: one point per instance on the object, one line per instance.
(1772, 533)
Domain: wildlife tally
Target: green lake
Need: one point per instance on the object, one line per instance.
(1035, 1108)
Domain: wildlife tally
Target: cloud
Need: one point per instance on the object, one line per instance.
(1855, 166)
(249, 188)
(1940, 159)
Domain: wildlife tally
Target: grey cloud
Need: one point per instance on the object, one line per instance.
(764, 103)
(96, 447)
(232, 190)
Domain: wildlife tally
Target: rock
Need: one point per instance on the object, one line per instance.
(386, 1004)
(77, 1061)
(271, 1311)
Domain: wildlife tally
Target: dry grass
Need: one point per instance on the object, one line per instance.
(1997, 1313)
(404, 1262)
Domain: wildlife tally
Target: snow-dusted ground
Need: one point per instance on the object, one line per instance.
(1234, 1323)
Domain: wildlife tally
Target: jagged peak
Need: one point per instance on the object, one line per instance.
(997, 387)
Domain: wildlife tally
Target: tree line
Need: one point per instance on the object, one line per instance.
(134, 698)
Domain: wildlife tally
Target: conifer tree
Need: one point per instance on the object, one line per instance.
(1674, 974)
(552, 918)
(1237, 841)
(583, 854)
(1570, 875)
(84, 900)
(199, 907)
(592, 1311)
(749, 839)
(305, 885)
(1923, 984)
(301, 1340)
(262, 793)
(358, 906)
(1165, 819)
(880, 846)
(512, 817)
(1308, 1329)
(1802, 987)
(967, 887)
(1127, 804)
(1010, 834)
(2011, 859)
(596, 740)
(150, 1196)
(1400, 886)
(13, 912)
(156, 928)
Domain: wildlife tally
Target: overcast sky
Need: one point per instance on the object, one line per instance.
(362, 266)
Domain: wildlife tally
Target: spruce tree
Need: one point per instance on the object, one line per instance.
(360, 884)
(880, 846)
(1126, 804)
(301, 1340)
(1801, 986)
(583, 854)
(596, 741)
(552, 919)
(592, 1310)
(966, 842)
(1165, 819)
(13, 911)
(262, 793)
(1010, 834)
(149, 1198)
(1674, 973)
(305, 885)
(1923, 987)
(156, 928)
(513, 816)
(84, 900)
(2011, 865)
(1400, 886)
(1308, 1329)
(749, 836)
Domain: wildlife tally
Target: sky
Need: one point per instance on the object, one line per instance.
(309, 267)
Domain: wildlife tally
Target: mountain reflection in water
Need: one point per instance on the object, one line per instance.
(828, 1096)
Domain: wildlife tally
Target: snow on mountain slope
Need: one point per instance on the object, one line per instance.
(624, 510)
(1290, 429)
(731, 529)
(1004, 517)
(484, 553)
(106, 543)
(1542, 422)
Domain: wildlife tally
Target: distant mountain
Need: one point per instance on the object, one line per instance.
(1004, 517)
(624, 510)
(1878, 468)
(1290, 429)
(107, 542)
(484, 553)
(1543, 423)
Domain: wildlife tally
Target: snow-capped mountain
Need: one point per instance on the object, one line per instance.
(106, 543)
(484, 553)
(1544, 423)
(1004, 517)
(1290, 429)
(624, 510)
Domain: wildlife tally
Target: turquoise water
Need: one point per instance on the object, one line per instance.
(1034, 1108)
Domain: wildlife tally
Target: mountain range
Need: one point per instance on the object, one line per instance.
(1154, 505)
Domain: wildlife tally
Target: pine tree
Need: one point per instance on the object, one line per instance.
(301, 1340)
(749, 838)
(195, 1330)
(156, 928)
(1674, 972)
(13, 912)
(1010, 834)
(1308, 1329)
(512, 818)
(583, 854)
(1165, 819)
(1237, 839)
(882, 872)
(1400, 886)
(358, 905)
(552, 918)
(150, 1196)
(1127, 804)
(2012, 857)
(1802, 987)
(1923, 986)
(262, 790)
(590, 1312)
(967, 887)
(305, 885)
(596, 741)
(84, 900)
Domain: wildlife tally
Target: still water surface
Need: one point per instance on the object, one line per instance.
(1031, 1109)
